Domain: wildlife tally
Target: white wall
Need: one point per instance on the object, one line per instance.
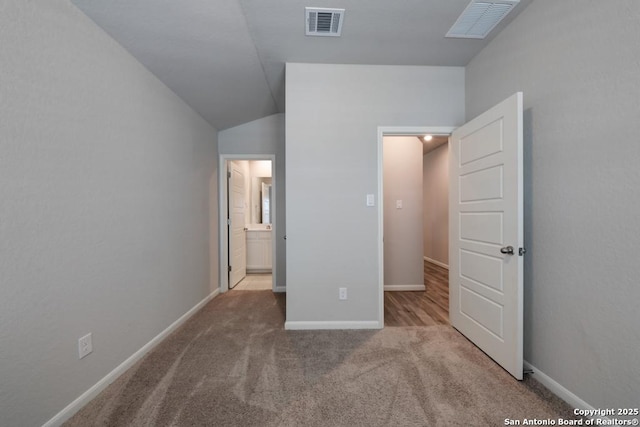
(264, 136)
(104, 213)
(333, 115)
(260, 168)
(436, 204)
(403, 252)
(577, 64)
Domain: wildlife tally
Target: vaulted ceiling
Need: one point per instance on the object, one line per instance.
(226, 58)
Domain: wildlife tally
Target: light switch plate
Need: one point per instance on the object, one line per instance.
(371, 200)
(398, 204)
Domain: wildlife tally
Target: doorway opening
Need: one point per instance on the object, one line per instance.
(486, 241)
(247, 212)
(413, 183)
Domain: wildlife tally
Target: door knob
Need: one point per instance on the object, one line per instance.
(507, 250)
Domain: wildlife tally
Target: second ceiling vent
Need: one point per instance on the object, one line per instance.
(323, 22)
(480, 17)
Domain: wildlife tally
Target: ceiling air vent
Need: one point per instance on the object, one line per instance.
(480, 17)
(323, 22)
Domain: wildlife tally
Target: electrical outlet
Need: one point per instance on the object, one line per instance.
(342, 293)
(85, 346)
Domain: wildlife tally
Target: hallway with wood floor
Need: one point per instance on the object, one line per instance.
(420, 308)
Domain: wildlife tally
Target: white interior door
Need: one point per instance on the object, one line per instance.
(486, 233)
(237, 231)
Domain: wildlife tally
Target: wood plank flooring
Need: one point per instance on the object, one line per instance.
(423, 308)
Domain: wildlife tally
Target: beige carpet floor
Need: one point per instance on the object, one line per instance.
(233, 364)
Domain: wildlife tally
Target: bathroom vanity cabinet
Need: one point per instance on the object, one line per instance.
(259, 251)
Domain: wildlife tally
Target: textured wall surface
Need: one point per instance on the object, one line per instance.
(436, 204)
(403, 259)
(333, 115)
(577, 63)
(264, 136)
(105, 185)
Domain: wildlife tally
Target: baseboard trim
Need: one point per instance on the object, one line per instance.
(556, 388)
(88, 395)
(438, 263)
(280, 289)
(404, 288)
(316, 325)
(259, 270)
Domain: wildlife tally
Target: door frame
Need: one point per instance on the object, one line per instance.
(394, 131)
(223, 248)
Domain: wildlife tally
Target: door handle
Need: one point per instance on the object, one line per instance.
(507, 250)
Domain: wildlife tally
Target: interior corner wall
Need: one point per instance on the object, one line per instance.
(577, 64)
(403, 259)
(436, 204)
(106, 179)
(333, 115)
(264, 136)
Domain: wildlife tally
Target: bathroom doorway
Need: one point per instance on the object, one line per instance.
(247, 222)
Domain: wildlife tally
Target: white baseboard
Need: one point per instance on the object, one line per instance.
(404, 288)
(315, 325)
(88, 395)
(280, 289)
(258, 270)
(438, 263)
(557, 389)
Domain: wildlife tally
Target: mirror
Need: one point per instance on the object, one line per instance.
(261, 200)
(266, 200)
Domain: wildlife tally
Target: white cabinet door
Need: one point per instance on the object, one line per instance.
(486, 233)
(254, 251)
(259, 251)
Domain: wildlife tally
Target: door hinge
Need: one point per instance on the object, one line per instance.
(228, 174)
(228, 221)
(522, 251)
(229, 268)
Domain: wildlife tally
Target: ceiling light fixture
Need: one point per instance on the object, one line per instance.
(427, 137)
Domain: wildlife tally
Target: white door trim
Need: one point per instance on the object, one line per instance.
(394, 131)
(223, 248)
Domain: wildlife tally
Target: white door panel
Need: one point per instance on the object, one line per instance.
(486, 270)
(479, 185)
(484, 141)
(482, 227)
(485, 217)
(237, 232)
